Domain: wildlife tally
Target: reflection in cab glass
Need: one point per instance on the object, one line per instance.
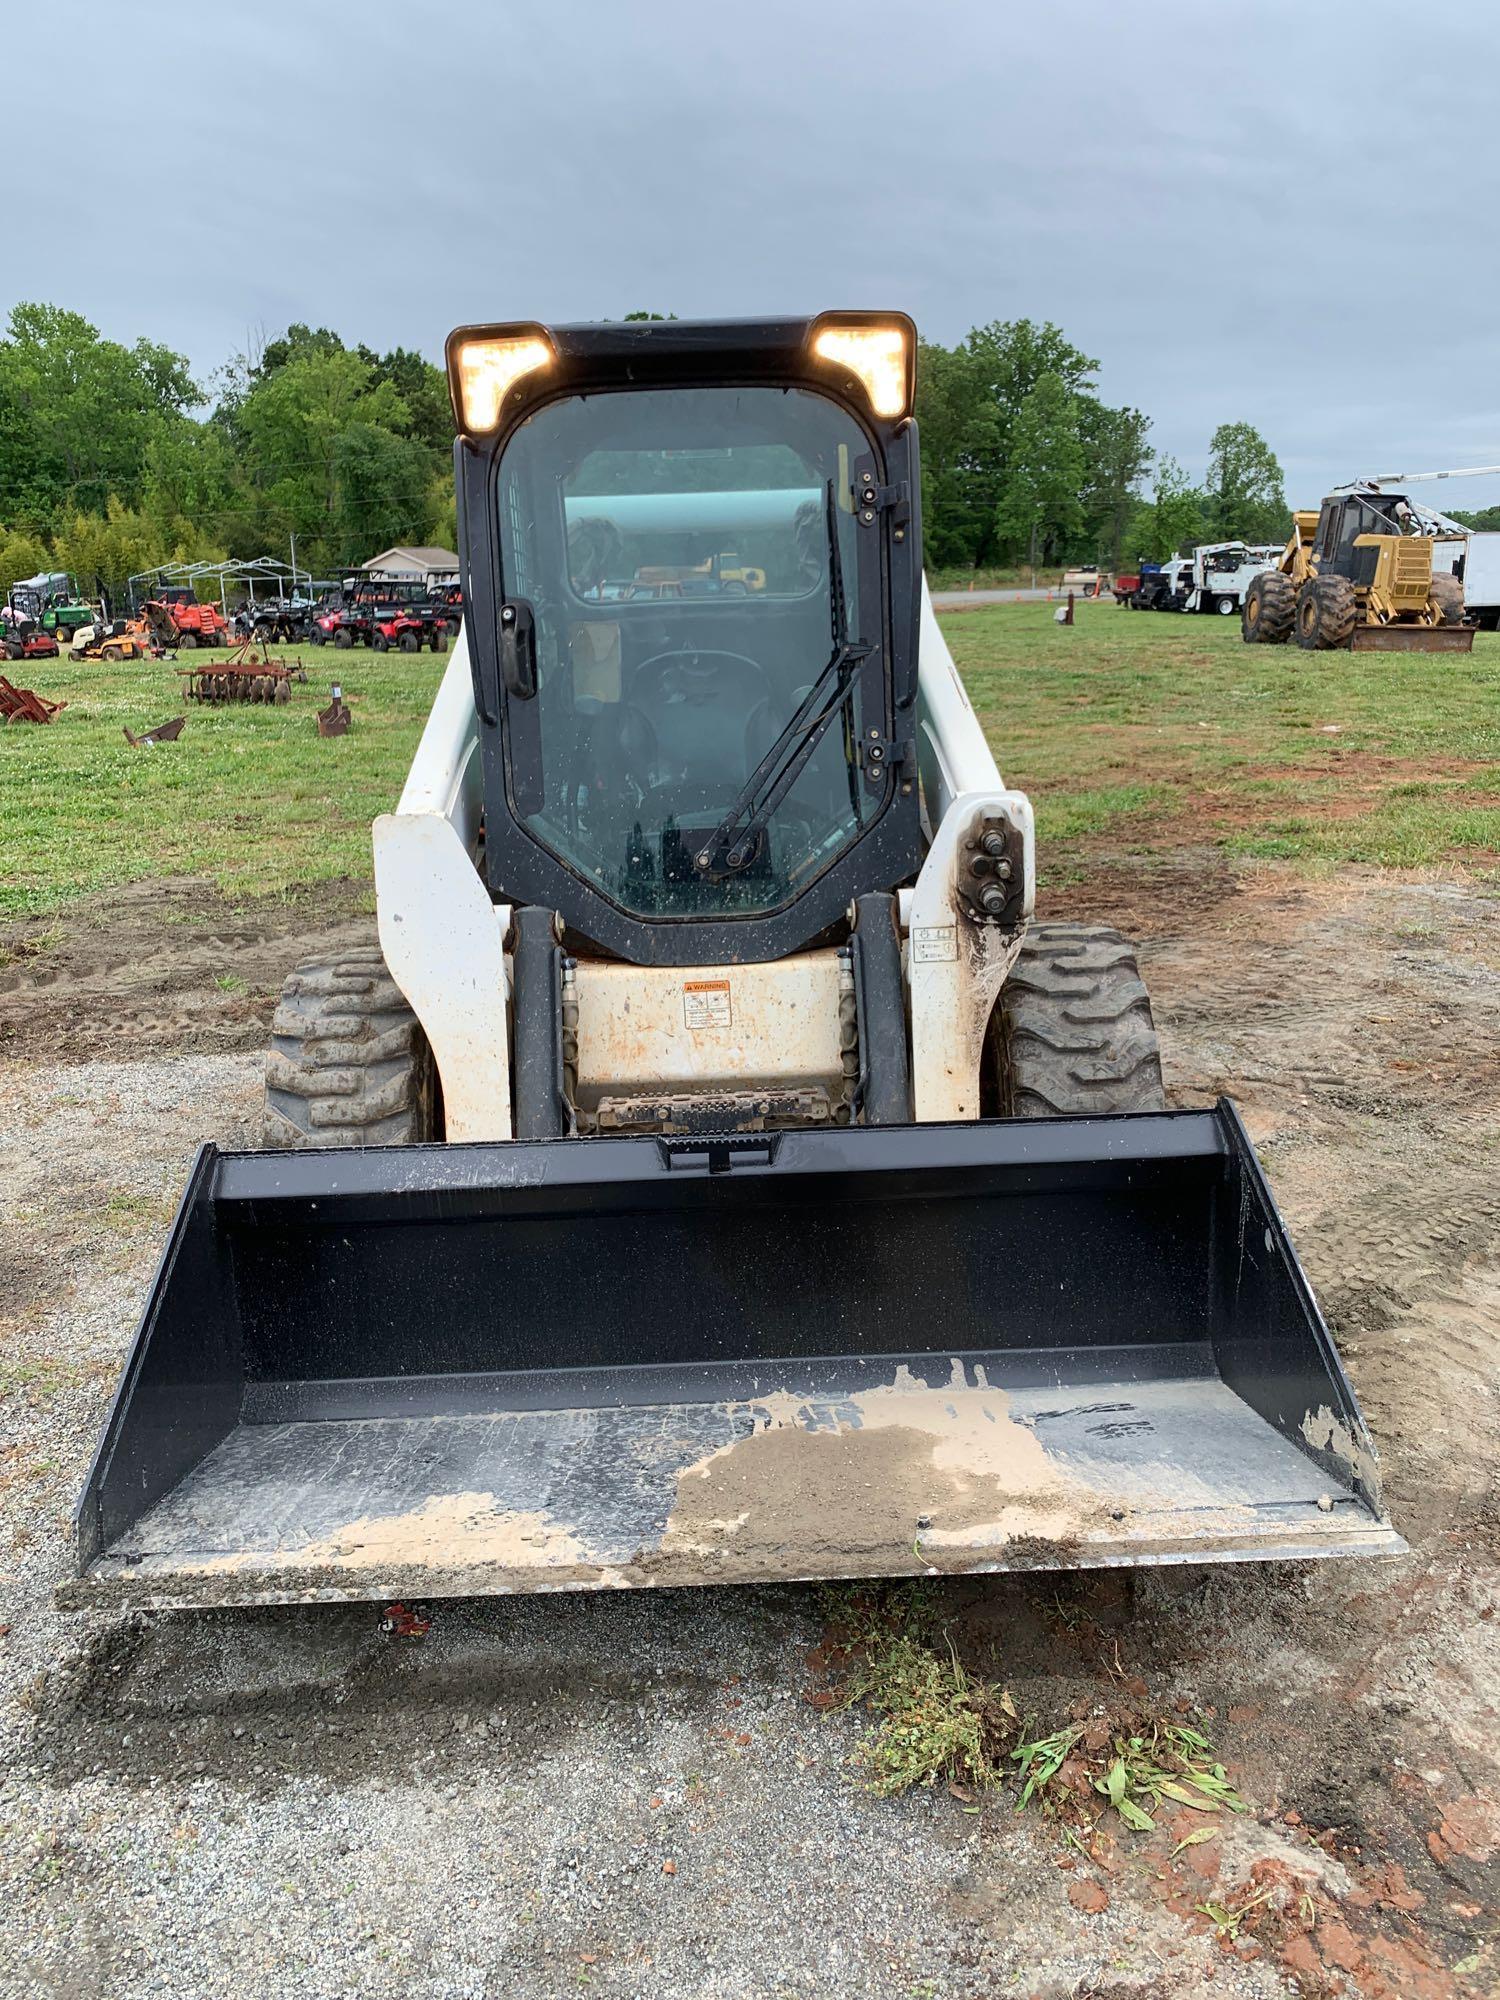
(691, 561)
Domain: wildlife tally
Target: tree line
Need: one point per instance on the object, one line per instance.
(1022, 461)
(114, 459)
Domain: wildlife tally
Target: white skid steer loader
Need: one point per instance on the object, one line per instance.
(714, 1173)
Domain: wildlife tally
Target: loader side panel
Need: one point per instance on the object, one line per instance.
(183, 1383)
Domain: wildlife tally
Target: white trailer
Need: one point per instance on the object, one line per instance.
(1474, 558)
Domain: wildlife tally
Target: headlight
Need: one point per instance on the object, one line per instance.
(485, 369)
(879, 354)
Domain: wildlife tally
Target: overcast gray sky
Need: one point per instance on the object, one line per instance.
(1279, 212)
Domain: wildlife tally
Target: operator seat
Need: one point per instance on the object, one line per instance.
(697, 709)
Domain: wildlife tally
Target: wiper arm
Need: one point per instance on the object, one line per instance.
(735, 841)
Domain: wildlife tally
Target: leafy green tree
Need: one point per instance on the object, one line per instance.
(1117, 459)
(294, 345)
(78, 413)
(194, 485)
(326, 446)
(423, 389)
(1244, 495)
(1040, 513)
(383, 485)
(969, 402)
(1484, 520)
(959, 423)
(21, 555)
(108, 548)
(1013, 356)
(1170, 522)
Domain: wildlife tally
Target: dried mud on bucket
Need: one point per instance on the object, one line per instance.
(820, 1486)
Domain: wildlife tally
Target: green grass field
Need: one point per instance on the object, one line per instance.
(1147, 732)
(1132, 732)
(249, 795)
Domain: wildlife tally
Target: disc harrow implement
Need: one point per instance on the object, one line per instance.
(249, 674)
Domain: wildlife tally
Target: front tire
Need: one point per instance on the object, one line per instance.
(1072, 1032)
(1225, 606)
(1270, 609)
(1327, 611)
(349, 1064)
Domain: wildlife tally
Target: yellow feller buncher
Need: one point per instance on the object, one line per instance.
(1358, 573)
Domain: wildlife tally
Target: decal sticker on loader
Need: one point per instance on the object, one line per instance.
(705, 1003)
(933, 941)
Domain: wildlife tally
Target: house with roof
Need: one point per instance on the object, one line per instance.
(431, 565)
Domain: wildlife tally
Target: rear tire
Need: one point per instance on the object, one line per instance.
(1447, 593)
(1270, 609)
(1073, 1029)
(410, 642)
(188, 641)
(1327, 611)
(343, 639)
(1225, 606)
(349, 1064)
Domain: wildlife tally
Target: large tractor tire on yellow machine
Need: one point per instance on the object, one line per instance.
(1270, 609)
(1327, 612)
(1447, 593)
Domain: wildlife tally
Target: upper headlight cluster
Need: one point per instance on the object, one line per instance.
(878, 355)
(486, 369)
(876, 349)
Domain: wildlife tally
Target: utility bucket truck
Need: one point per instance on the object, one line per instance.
(1221, 573)
(714, 1172)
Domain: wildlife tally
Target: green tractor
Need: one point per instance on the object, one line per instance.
(52, 602)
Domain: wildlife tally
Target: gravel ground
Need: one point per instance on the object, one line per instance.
(633, 1794)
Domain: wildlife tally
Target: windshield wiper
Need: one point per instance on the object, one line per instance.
(735, 841)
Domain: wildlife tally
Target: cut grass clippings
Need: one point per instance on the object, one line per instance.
(934, 1721)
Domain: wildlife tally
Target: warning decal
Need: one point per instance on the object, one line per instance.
(705, 1003)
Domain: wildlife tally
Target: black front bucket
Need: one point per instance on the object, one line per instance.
(601, 1363)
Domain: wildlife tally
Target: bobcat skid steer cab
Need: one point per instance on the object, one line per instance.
(1358, 574)
(713, 1173)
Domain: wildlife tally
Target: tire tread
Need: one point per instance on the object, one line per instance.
(348, 1063)
(1078, 1032)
